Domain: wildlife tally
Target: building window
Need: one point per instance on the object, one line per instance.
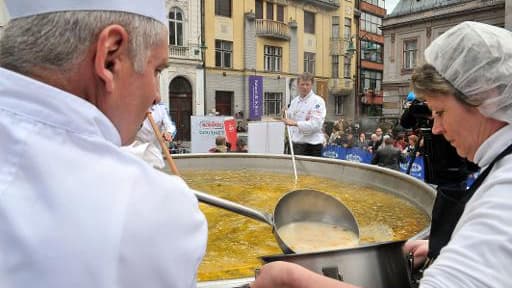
(347, 67)
(280, 13)
(272, 103)
(335, 73)
(371, 23)
(176, 27)
(223, 102)
(371, 80)
(223, 8)
(309, 62)
(347, 32)
(371, 51)
(270, 11)
(335, 31)
(409, 54)
(309, 22)
(259, 9)
(338, 105)
(273, 58)
(223, 53)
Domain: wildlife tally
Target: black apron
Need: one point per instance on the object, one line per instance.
(448, 207)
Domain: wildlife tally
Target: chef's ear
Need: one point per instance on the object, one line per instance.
(111, 49)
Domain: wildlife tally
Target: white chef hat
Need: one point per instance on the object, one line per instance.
(151, 8)
(476, 59)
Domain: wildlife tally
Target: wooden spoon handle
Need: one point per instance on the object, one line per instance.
(165, 149)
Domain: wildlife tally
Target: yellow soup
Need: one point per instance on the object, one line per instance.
(308, 236)
(235, 242)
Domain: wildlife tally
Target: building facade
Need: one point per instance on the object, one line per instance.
(270, 42)
(370, 47)
(411, 27)
(182, 84)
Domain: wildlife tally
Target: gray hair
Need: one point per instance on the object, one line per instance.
(61, 39)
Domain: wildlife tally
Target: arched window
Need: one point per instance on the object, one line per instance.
(176, 27)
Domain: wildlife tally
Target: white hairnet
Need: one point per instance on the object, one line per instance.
(476, 59)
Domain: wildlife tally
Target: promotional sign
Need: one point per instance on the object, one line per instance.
(417, 170)
(354, 154)
(204, 130)
(255, 97)
(230, 132)
(362, 156)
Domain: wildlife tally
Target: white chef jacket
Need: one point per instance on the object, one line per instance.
(146, 145)
(75, 211)
(479, 253)
(309, 113)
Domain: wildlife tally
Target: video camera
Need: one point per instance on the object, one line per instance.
(417, 116)
(443, 166)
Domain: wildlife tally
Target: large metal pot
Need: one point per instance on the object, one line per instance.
(386, 180)
(380, 265)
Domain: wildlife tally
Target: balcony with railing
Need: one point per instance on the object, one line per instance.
(337, 46)
(190, 52)
(372, 97)
(343, 86)
(272, 29)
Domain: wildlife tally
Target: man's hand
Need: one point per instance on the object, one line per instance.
(289, 122)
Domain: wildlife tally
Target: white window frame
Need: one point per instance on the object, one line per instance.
(273, 57)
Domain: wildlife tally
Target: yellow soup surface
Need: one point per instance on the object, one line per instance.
(235, 242)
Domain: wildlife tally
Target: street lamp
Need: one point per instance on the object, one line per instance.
(349, 52)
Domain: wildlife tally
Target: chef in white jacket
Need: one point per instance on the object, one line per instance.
(146, 144)
(76, 79)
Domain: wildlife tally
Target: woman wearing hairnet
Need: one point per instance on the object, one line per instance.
(467, 83)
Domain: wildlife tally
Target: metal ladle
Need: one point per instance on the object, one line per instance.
(296, 206)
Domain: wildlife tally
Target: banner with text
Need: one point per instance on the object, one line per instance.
(204, 130)
(362, 156)
(255, 97)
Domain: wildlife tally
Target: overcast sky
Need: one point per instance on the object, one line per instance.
(390, 5)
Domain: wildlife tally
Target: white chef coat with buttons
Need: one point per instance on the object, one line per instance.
(309, 113)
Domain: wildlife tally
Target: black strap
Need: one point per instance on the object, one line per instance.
(484, 174)
(449, 206)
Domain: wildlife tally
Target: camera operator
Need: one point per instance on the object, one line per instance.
(444, 168)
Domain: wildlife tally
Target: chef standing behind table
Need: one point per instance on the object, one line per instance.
(305, 118)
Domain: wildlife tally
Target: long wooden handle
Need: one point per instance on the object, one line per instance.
(164, 147)
(290, 143)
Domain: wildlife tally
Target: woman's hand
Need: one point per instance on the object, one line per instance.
(287, 275)
(419, 249)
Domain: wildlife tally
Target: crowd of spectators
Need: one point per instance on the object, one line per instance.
(407, 141)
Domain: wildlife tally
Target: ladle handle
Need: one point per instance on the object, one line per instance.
(234, 207)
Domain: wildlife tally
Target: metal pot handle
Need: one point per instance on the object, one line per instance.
(332, 272)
